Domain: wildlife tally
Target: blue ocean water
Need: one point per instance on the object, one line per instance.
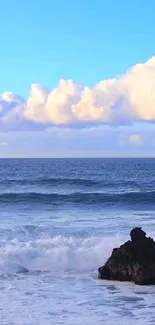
(60, 219)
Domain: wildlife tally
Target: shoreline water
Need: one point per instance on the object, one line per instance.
(63, 241)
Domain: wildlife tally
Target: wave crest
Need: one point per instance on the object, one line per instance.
(56, 254)
(129, 198)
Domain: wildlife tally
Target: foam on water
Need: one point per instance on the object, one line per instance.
(60, 219)
(61, 286)
(57, 254)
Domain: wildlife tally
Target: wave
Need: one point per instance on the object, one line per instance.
(56, 254)
(93, 198)
(69, 181)
(75, 182)
(51, 181)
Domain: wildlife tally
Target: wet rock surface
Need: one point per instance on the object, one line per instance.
(133, 261)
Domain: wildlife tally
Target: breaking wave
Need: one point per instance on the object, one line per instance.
(56, 254)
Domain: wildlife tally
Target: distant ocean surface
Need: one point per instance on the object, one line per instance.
(60, 219)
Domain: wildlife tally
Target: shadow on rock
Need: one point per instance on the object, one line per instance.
(134, 261)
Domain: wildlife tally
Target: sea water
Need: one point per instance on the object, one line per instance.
(60, 220)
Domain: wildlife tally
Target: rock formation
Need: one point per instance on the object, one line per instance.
(134, 261)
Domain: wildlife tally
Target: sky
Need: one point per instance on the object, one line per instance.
(77, 78)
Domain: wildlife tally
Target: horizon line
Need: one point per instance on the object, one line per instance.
(119, 157)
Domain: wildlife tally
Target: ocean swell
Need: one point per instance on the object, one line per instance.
(83, 198)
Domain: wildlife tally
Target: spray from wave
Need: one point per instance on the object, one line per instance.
(57, 254)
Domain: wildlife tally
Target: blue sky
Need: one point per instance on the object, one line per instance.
(86, 41)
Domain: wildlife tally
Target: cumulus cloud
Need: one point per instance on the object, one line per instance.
(120, 101)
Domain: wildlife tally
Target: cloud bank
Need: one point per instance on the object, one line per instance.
(120, 101)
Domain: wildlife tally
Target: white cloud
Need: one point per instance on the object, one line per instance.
(136, 139)
(100, 141)
(3, 143)
(119, 101)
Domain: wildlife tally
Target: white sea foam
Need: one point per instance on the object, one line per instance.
(69, 292)
(57, 253)
(48, 238)
(62, 285)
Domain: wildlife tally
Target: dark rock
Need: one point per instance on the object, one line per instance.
(134, 261)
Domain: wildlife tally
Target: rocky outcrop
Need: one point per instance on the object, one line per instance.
(134, 261)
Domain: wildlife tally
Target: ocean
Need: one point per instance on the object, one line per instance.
(60, 220)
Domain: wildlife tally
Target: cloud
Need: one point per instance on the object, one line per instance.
(3, 143)
(101, 141)
(136, 140)
(116, 102)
